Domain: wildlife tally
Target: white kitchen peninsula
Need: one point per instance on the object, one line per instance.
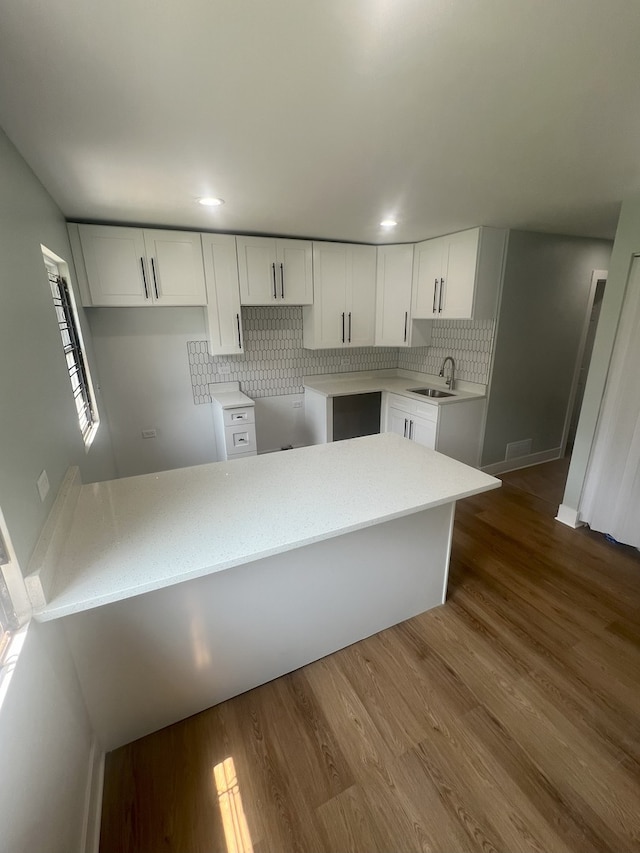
(181, 589)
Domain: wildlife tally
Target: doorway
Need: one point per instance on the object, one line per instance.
(585, 350)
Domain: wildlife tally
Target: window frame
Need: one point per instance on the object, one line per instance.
(74, 348)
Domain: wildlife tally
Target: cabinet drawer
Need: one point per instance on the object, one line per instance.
(240, 439)
(235, 417)
(423, 410)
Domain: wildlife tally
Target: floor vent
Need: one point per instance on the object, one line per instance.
(515, 449)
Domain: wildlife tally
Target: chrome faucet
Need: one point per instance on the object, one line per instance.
(451, 381)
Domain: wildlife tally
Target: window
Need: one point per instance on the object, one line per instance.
(73, 347)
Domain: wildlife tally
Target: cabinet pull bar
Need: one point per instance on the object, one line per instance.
(405, 427)
(239, 335)
(273, 270)
(406, 320)
(435, 288)
(349, 326)
(144, 279)
(155, 280)
(282, 280)
(440, 299)
(343, 327)
(411, 429)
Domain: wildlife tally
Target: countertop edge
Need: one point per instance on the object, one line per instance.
(51, 612)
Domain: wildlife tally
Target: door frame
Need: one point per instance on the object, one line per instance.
(596, 276)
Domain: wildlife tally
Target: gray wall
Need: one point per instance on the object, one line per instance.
(627, 243)
(45, 735)
(542, 314)
(38, 424)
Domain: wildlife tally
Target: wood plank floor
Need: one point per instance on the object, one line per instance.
(506, 720)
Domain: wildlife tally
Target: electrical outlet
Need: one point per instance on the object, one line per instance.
(43, 485)
(224, 368)
(148, 433)
(297, 404)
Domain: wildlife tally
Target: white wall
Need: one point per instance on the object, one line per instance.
(45, 744)
(44, 730)
(627, 243)
(146, 384)
(543, 309)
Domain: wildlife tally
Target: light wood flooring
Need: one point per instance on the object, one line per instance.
(506, 720)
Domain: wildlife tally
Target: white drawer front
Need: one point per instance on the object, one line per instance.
(240, 439)
(234, 417)
(415, 407)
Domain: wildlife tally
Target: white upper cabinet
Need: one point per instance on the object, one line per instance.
(223, 294)
(343, 312)
(274, 271)
(394, 284)
(135, 266)
(458, 276)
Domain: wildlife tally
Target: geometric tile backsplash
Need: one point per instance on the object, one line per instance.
(470, 342)
(274, 361)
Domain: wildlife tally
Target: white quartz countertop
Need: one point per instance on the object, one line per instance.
(229, 396)
(137, 534)
(340, 386)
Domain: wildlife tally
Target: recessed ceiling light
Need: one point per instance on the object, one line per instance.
(388, 223)
(209, 201)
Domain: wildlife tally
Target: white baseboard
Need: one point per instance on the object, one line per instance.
(522, 461)
(93, 800)
(569, 516)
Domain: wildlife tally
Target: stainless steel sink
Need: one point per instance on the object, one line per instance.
(431, 392)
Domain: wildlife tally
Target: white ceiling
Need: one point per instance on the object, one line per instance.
(320, 117)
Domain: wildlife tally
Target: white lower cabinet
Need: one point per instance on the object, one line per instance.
(412, 421)
(235, 432)
(454, 429)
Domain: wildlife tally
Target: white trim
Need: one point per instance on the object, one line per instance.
(523, 461)
(93, 800)
(596, 276)
(569, 516)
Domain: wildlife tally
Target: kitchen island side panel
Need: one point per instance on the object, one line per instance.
(151, 660)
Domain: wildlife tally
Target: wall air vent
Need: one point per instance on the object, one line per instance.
(516, 449)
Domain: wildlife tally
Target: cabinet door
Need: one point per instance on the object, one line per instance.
(115, 260)
(394, 271)
(427, 274)
(459, 275)
(361, 296)
(223, 294)
(397, 421)
(423, 431)
(177, 273)
(325, 323)
(294, 280)
(259, 281)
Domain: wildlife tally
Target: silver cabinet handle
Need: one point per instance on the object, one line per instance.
(343, 327)
(155, 280)
(282, 280)
(239, 334)
(144, 279)
(435, 289)
(406, 320)
(349, 326)
(405, 428)
(440, 299)
(410, 429)
(273, 270)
